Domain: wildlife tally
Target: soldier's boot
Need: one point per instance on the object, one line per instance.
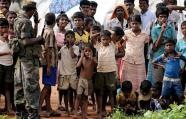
(33, 114)
(21, 112)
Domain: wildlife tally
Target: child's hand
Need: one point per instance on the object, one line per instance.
(163, 27)
(82, 53)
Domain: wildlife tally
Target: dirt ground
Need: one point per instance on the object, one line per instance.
(54, 102)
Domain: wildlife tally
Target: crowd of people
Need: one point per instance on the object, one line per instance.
(134, 61)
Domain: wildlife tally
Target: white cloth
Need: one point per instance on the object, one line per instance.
(6, 60)
(147, 19)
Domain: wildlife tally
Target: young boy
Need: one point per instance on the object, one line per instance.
(87, 64)
(160, 33)
(49, 64)
(127, 99)
(81, 36)
(171, 81)
(106, 69)
(144, 95)
(67, 81)
(6, 62)
(181, 47)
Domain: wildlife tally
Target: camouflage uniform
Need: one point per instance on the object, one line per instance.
(26, 82)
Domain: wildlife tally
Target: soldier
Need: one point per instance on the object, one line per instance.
(27, 90)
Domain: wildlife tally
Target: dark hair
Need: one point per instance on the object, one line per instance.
(84, 2)
(158, 86)
(87, 20)
(183, 23)
(147, 1)
(78, 15)
(129, 1)
(10, 12)
(184, 2)
(69, 32)
(145, 86)
(8, 1)
(93, 4)
(50, 18)
(105, 33)
(162, 11)
(60, 16)
(136, 18)
(96, 27)
(118, 31)
(161, 4)
(3, 22)
(126, 86)
(170, 41)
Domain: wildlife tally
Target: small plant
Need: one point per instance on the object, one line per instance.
(3, 116)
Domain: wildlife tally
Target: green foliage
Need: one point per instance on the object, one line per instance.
(3, 116)
(174, 112)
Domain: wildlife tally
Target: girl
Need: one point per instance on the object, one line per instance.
(62, 21)
(134, 62)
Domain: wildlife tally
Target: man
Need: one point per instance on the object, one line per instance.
(130, 7)
(93, 8)
(85, 7)
(27, 90)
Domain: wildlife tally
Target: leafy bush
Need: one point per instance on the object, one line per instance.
(174, 112)
(3, 116)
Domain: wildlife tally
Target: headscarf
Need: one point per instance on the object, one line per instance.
(125, 16)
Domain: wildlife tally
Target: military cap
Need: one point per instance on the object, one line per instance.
(129, 1)
(29, 5)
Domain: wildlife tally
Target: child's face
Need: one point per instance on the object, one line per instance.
(70, 38)
(11, 18)
(95, 32)
(87, 52)
(63, 21)
(105, 40)
(4, 31)
(155, 93)
(89, 26)
(129, 6)
(162, 18)
(135, 25)
(143, 5)
(145, 92)
(4, 6)
(169, 47)
(183, 29)
(78, 22)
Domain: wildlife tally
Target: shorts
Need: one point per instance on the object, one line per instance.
(6, 74)
(67, 81)
(84, 87)
(105, 81)
(49, 80)
(171, 87)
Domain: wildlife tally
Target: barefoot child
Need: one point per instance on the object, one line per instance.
(87, 64)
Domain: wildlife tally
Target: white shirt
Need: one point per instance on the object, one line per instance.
(147, 18)
(106, 58)
(67, 64)
(115, 22)
(6, 60)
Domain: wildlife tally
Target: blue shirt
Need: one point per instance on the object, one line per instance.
(172, 65)
(169, 33)
(181, 47)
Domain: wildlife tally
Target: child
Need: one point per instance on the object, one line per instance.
(67, 80)
(88, 24)
(134, 61)
(144, 95)
(82, 36)
(49, 64)
(6, 62)
(160, 33)
(62, 21)
(87, 64)
(181, 47)
(106, 69)
(171, 81)
(117, 37)
(156, 103)
(127, 99)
